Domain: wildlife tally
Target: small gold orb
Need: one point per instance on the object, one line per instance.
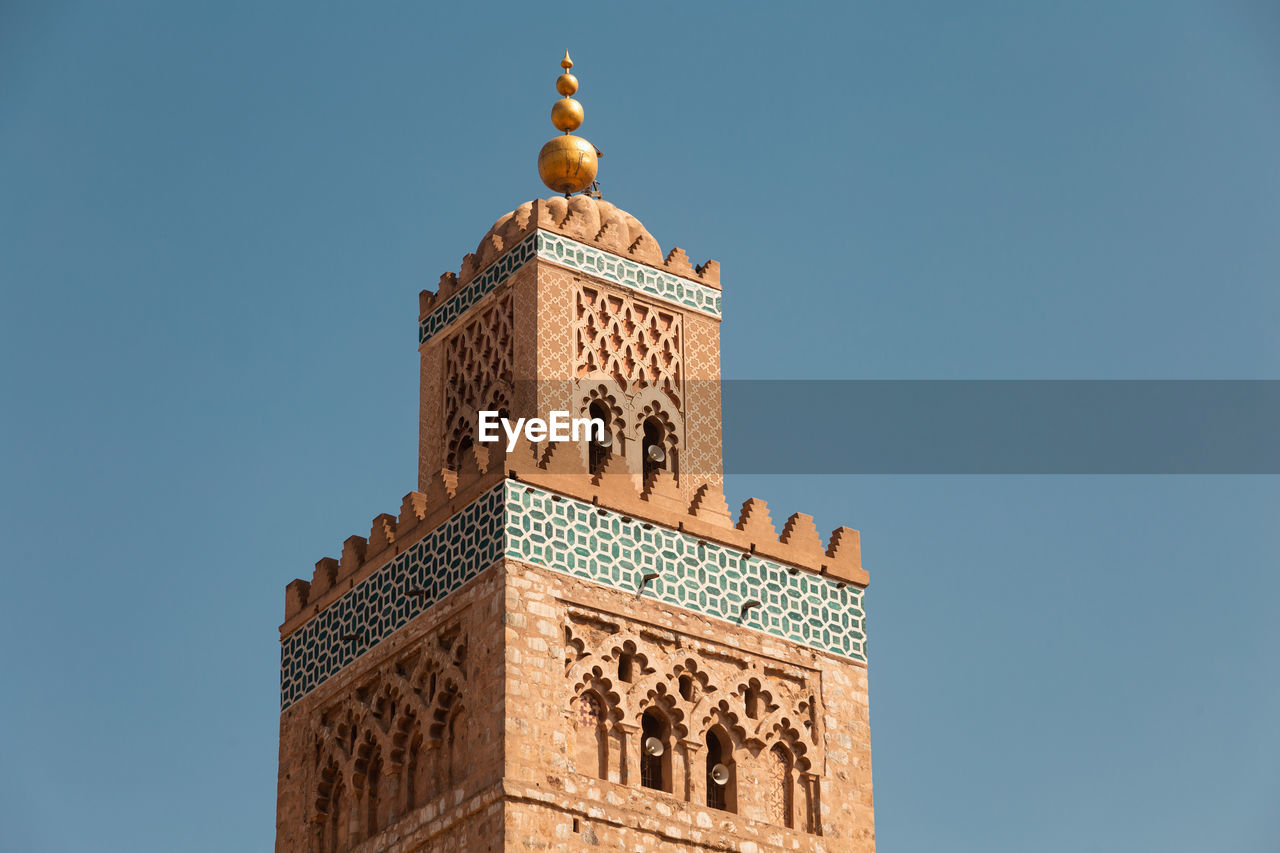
(566, 114)
(566, 84)
(568, 164)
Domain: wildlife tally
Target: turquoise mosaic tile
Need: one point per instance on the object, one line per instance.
(495, 274)
(579, 539)
(578, 256)
(610, 267)
(433, 567)
(599, 545)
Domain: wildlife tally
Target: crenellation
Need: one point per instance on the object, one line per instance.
(295, 596)
(326, 575)
(677, 263)
(382, 535)
(709, 273)
(413, 509)
(709, 505)
(800, 533)
(353, 551)
(469, 269)
(844, 556)
(754, 520)
(663, 493)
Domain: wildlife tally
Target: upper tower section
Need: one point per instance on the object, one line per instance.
(570, 304)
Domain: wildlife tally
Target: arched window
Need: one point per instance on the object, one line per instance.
(373, 781)
(336, 825)
(591, 736)
(686, 687)
(778, 786)
(721, 784)
(413, 788)
(625, 660)
(460, 448)
(598, 451)
(329, 802)
(456, 746)
(655, 752)
(654, 448)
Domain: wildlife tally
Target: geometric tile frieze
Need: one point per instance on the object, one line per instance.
(599, 545)
(610, 267)
(585, 541)
(427, 571)
(577, 256)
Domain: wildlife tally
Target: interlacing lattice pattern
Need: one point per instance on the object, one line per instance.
(766, 719)
(639, 346)
(392, 744)
(478, 373)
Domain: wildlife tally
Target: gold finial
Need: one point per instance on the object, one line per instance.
(568, 163)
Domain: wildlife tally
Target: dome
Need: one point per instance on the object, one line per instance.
(583, 218)
(588, 220)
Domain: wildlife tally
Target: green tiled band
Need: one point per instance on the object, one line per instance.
(578, 256)
(589, 542)
(610, 267)
(579, 539)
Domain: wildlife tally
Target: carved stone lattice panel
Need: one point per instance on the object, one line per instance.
(391, 744)
(698, 687)
(640, 346)
(478, 372)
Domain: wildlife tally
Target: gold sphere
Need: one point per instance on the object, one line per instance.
(567, 164)
(566, 84)
(566, 114)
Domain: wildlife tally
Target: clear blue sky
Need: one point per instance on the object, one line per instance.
(214, 221)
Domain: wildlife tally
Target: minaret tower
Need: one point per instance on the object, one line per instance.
(574, 645)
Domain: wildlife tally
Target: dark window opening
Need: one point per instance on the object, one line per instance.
(455, 459)
(652, 766)
(654, 450)
(624, 667)
(716, 787)
(686, 688)
(597, 451)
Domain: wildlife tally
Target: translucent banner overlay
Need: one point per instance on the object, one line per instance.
(1001, 427)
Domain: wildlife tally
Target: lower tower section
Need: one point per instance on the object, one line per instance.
(535, 660)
